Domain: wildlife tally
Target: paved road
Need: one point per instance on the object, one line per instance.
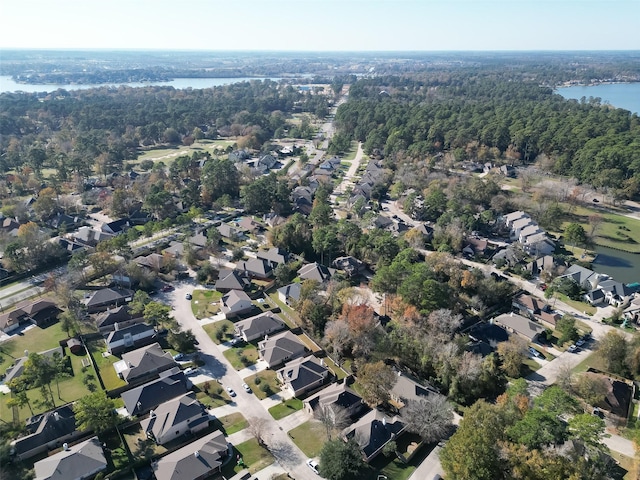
(430, 467)
(216, 365)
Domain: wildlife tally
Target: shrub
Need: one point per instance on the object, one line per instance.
(257, 380)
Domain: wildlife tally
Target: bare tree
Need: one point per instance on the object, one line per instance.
(595, 221)
(430, 417)
(333, 417)
(565, 377)
(338, 334)
(258, 428)
(513, 353)
(444, 322)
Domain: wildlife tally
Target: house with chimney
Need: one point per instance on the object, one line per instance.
(78, 462)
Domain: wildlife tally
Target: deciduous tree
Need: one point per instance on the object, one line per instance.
(96, 412)
(431, 417)
(376, 380)
(341, 460)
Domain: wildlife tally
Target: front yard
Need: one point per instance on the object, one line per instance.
(211, 394)
(242, 357)
(264, 384)
(233, 423)
(221, 331)
(285, 408)
(309, 437)
(254, 457)
(205, 303)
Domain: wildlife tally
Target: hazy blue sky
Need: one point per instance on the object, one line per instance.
(322, 24)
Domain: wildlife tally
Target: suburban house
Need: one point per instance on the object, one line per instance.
(47, 431)
(235, 303)
(373, 431)
(406, 390)
(275, 256)
(175, 249)
(587, 279)
(350, 265)
(41, 312)
(227, 231)
(545, 263)
(521, 326)
(78, 462)
(90, 236)
(475, 246)
(106, 298)
(198, 460)
(179, 416)
(315, 271)
(539, 244)
(144, 363)
(249, 225)
(116, 227)
(134, 336)
(336, 395)
(280, 348)
(549, 319)
(171, 384)
(154, 262)
(229, 280)
(106, 321)
(255, 268)
(257, 327)
(632, 312)
(290, 294)
(527, 305)
(303, 375)
(612, 292)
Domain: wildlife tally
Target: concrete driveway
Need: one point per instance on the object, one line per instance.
(216, 366)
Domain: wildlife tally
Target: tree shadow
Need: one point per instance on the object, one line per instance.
(284, 453)
(212, 366)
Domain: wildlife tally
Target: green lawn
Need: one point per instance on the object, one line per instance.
(211, 394)
(204, 303)
(393, 468)
(267, 384)
(290, 313)
(594, 360)
(616, 231)
(224, 326)
(242, 357)
(351, 153)
(233, 423)
(285, 408)
(71, 389)
(580, 306)
(309, 437)
(254, 456)
(105, 365)
(35, 339)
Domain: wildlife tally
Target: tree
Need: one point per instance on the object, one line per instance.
(341, 460)
(258, 428)
(595, 221)
(68, 323)
(566, 326)
(591, 387)
(575, 234)
(431, 417)
(444, 323)
(19, 398)
(376, 380)
(613, 350)
(157, 313)
(555, 400)
(589, 429)
(333, 417)
(96, 412)
(472, 452)
(39, 371)
(184, 341)
(537, 428)
(512, 353)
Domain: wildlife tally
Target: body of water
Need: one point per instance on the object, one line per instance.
(622, 266)
(620, 95)
(8, 85)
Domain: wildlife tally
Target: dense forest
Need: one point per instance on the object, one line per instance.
(487, 117)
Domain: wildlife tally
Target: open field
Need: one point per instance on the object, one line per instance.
(616, 231)
(168, 154)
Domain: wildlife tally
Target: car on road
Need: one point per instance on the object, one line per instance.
(246, 387)
(572, 349)
(231, 392)
(188, 296)
(313, 465)
(191, 371)
(179, 356)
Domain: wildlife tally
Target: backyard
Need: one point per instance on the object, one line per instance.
(35, 339)
(104, 363)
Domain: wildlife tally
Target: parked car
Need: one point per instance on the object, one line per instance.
(534, 352)
(168, 288)
(191, 371)
(313, 465)
(580, 343)
(572, 349)
(246, 387)
(188, 296)
(179, 356)
(231, 392)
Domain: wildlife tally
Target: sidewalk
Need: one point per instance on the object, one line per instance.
(294, 420)
(276, 399)
(255, 368)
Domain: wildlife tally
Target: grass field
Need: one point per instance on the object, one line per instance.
(616, 231)
(580, 306)
(168, 154)
(242, 357)
(267, 384)
(105, 365)
(285, 408)
(215, 396)
(254, 456)
(351, 153)
(224, 326)
(309, 437)
(204, 303)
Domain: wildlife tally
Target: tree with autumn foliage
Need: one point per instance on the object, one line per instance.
(376, 381)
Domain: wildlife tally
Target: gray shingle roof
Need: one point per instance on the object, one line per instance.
(49, 426)
(171, 384)
(146, 360)
(172, 413)
(79, 461)
(259, 325)
(184, 464)
(280, 348)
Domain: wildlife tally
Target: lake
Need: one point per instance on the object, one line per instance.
(8, 85)
(622, 266)
(621, 95)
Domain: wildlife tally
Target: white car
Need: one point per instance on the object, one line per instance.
(190, 371)
(313, 465)
(572, 349)
(246, 387)
(231, 392)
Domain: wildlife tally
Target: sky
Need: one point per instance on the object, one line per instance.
(321, 25)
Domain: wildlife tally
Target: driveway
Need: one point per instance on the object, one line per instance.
(289, 457)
